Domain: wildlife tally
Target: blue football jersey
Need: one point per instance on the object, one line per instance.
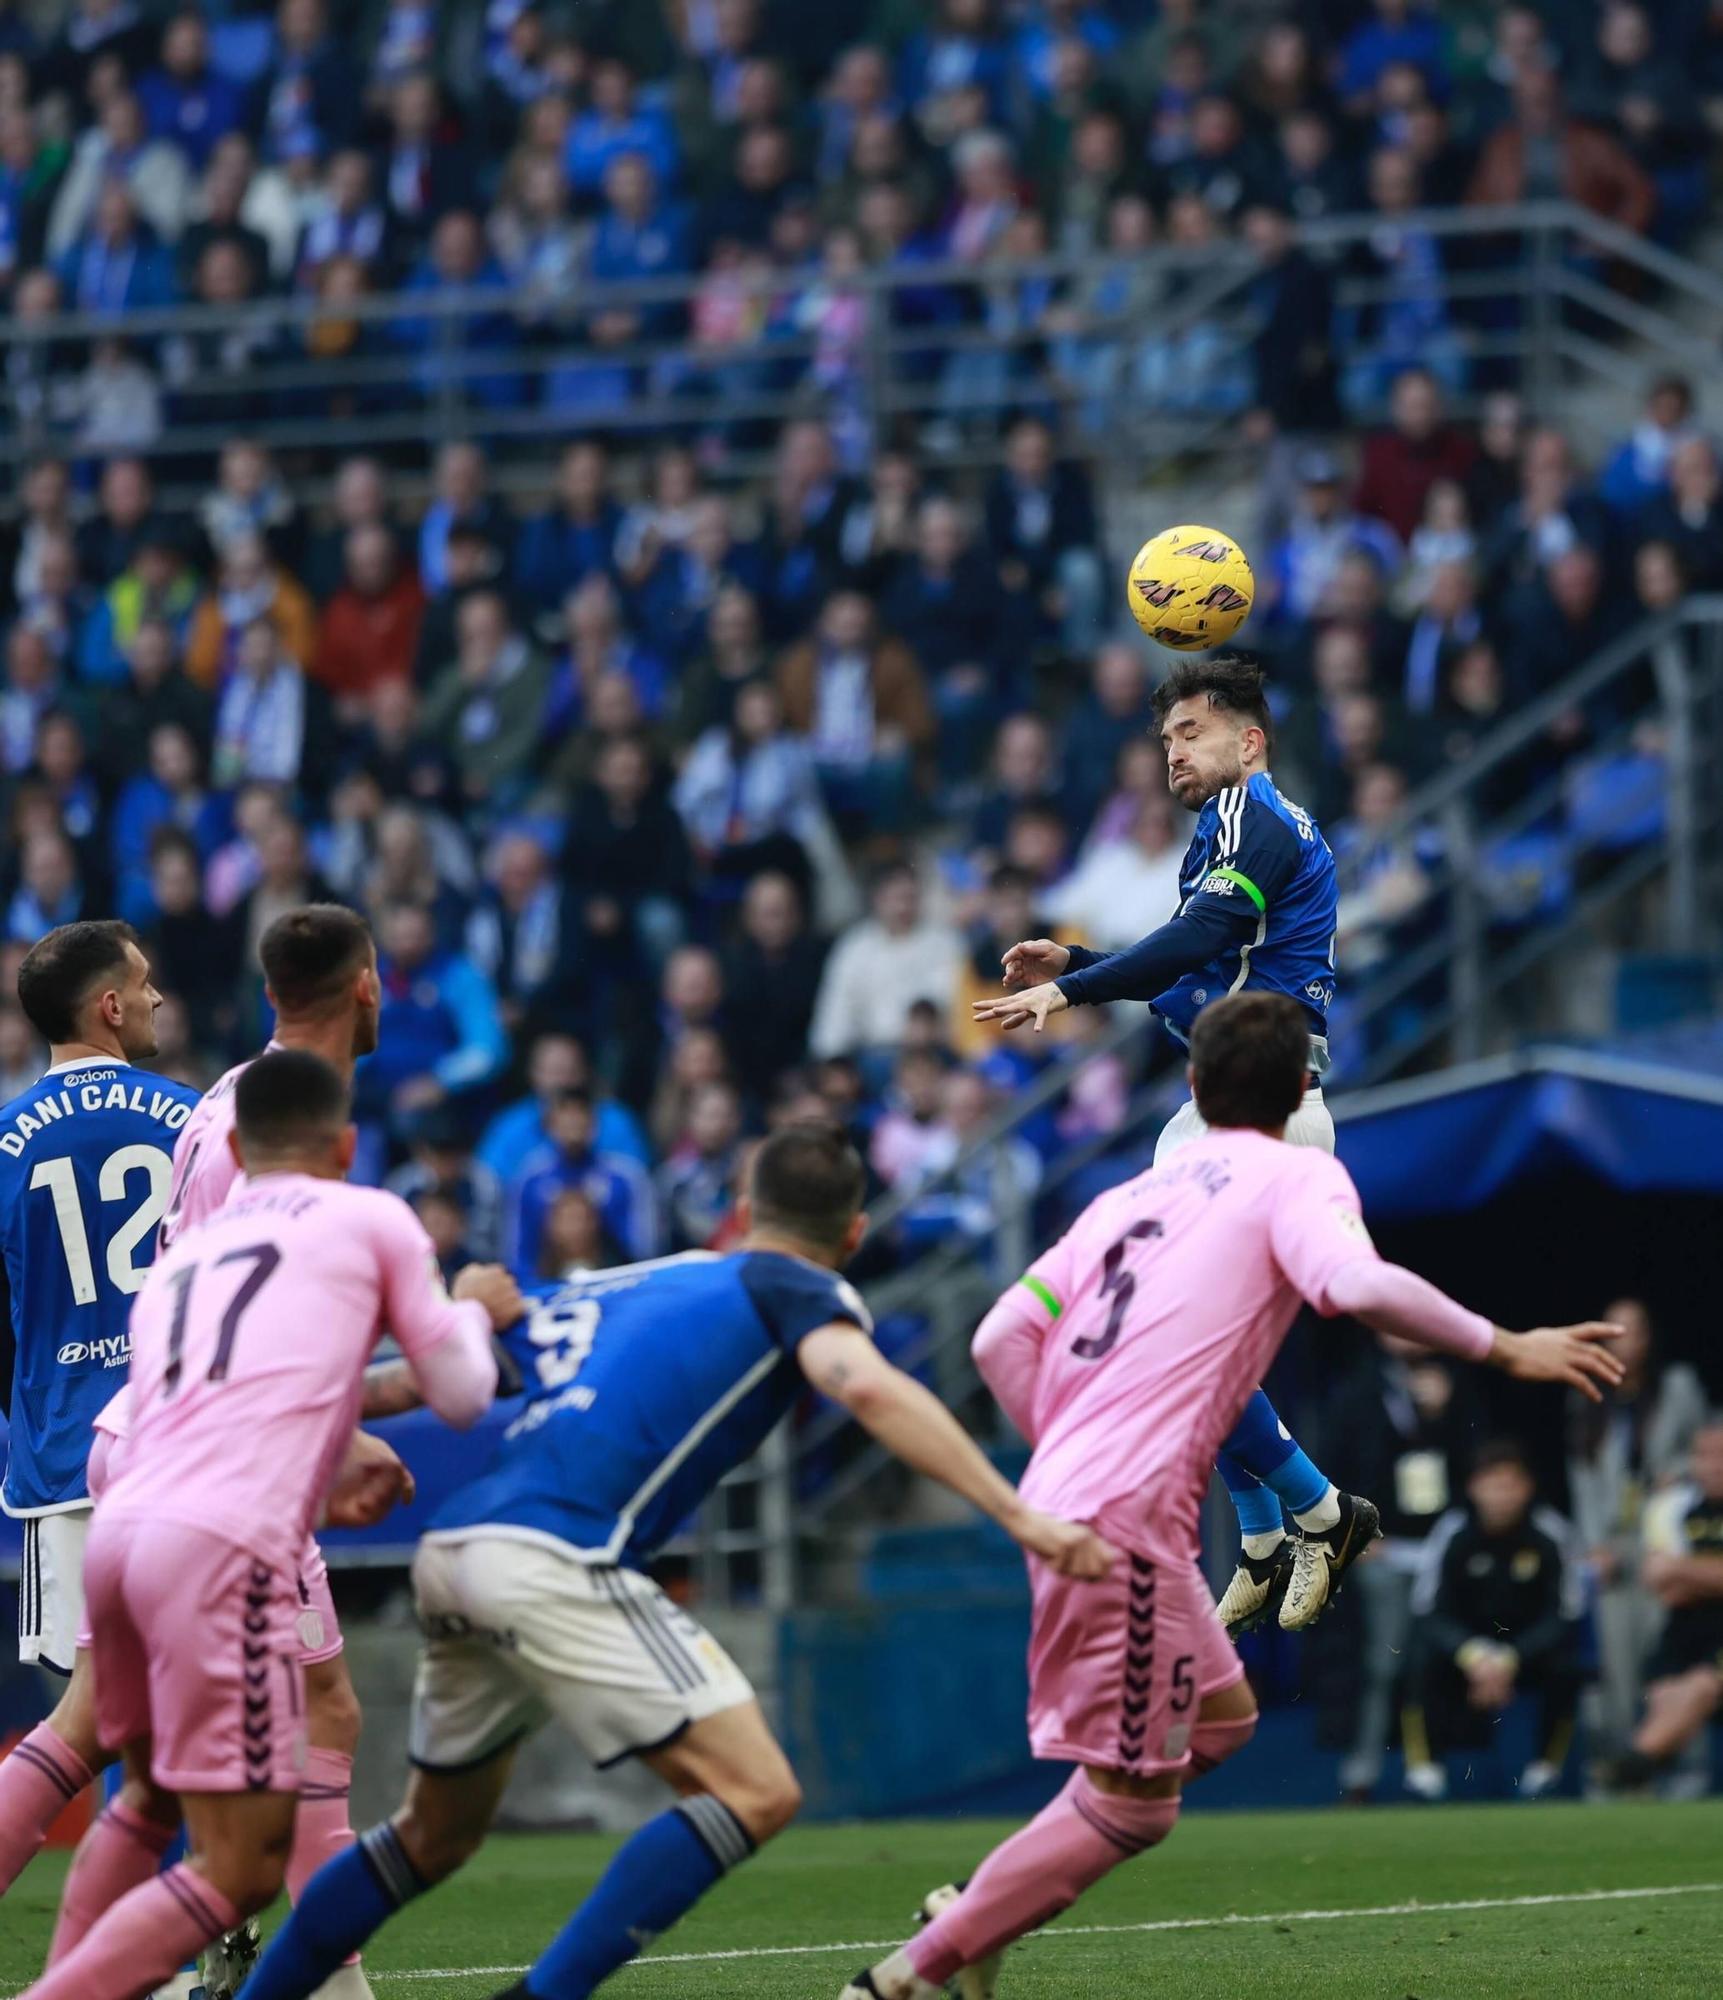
(1253, 846)
(645, 1385)
(86, 1157)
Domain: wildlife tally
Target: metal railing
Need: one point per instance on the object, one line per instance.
(1144, 359)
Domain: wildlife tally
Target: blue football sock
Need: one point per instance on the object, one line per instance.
(1262, 1446)
(1257, 1506)
(344, 1902)
(654, 1879)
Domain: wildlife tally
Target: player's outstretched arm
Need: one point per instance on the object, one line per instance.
(1390, 1299)
(1142, 971)
(841, 1362)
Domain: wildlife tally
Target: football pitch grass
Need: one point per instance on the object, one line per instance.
(1513, 1901)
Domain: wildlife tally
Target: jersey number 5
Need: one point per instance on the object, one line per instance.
(60, 1178)
(1121, 1286)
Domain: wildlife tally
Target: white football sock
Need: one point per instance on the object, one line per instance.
(1324, 1515)
(1262, 1545)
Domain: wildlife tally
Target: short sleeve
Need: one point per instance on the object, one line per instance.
(794, 1299)
(1317, 1227)
(1256, 853)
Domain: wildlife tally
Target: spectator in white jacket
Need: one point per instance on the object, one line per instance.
(882, 966)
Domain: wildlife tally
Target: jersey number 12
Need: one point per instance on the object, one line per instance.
(60, 1178)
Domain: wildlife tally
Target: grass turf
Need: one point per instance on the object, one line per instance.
(830, 1885)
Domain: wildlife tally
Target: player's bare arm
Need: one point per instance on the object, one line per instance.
(391, 1387)
(372, 1481)
(841, 1362)
(1577, 1356)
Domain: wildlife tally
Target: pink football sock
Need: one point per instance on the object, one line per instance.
(142, 1941)
(323, 1824)
(38, 1781)
(1083, 1835)
(121, 1850)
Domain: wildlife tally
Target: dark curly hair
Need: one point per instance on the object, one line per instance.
(1228, 680)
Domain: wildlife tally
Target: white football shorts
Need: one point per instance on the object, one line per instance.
(51, 1589)
(517, 1635)
(1312, 1124)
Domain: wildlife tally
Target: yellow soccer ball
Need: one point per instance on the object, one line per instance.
(1191, 588)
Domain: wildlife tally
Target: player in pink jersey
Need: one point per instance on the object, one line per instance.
(250, 1340)
(320, 975)
(1124, 1357)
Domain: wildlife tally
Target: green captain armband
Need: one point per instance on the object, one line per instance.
(1043, 1292)
(1243, 881)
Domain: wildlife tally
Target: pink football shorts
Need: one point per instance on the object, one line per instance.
(1118, 1669)
(196, 1646)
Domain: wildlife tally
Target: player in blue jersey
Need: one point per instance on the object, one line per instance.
(1257, 901)
(86, 1158)
(645, 1386)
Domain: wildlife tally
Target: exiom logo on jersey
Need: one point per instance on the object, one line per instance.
(113, 1352)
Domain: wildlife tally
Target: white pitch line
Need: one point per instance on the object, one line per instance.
(1059, 1931)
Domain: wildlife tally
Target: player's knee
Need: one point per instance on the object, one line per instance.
(438, 1844)
(332, 1708)
(1215, 1741)
(764, 1802)
(144, 1797)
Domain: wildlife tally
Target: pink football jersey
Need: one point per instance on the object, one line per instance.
(204, 1169)
(249, 1344)
(1166, 1301)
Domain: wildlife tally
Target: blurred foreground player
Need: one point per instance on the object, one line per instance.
(250, 1339)
(1123, 1357)
(1256, 914)
(646, 1384)
(85, 1162)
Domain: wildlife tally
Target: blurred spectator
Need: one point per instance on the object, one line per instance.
(252, 591)
(263, 720)
(556, 1062)
(695, 1180)
(370, 627)
(908, 1139)
(972, 1204)
(881, 966)
(22, 1057)
(618, 1187)
(154, 690)
(1116, 709)
(486, 703)
(1637, 471)
(1683, 1568)
(442, 1031)
(576, 1237)
(186, 100)
(1042, 532)
(250, 498)
(515, 936)
(312, 98)
(1495, 1609)
(153, 585)
(459, 498)
(577, 537)
(49, 892)
(1447, 620)
(627, 863)
(1418, 448)
(168, 793)
(1009, 914)
(1621, 1455)
(441, 1160)
(1023, 774)
(1322, 531)
(1123, 878)
(1407, 323)
(771, 975)
(119, 152)
(465, 356)
(1544, 154)
(1688, 516)
(31, 691)
(862, 704)
(749, 796)
(112, 263)
(1293, 351)
(1408, 1412)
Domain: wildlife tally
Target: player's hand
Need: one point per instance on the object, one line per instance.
(1032, 962)
(494, 1289)
(1578, 1356)
(372, 1480)
(1067, 1547)
(1021, 1008)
